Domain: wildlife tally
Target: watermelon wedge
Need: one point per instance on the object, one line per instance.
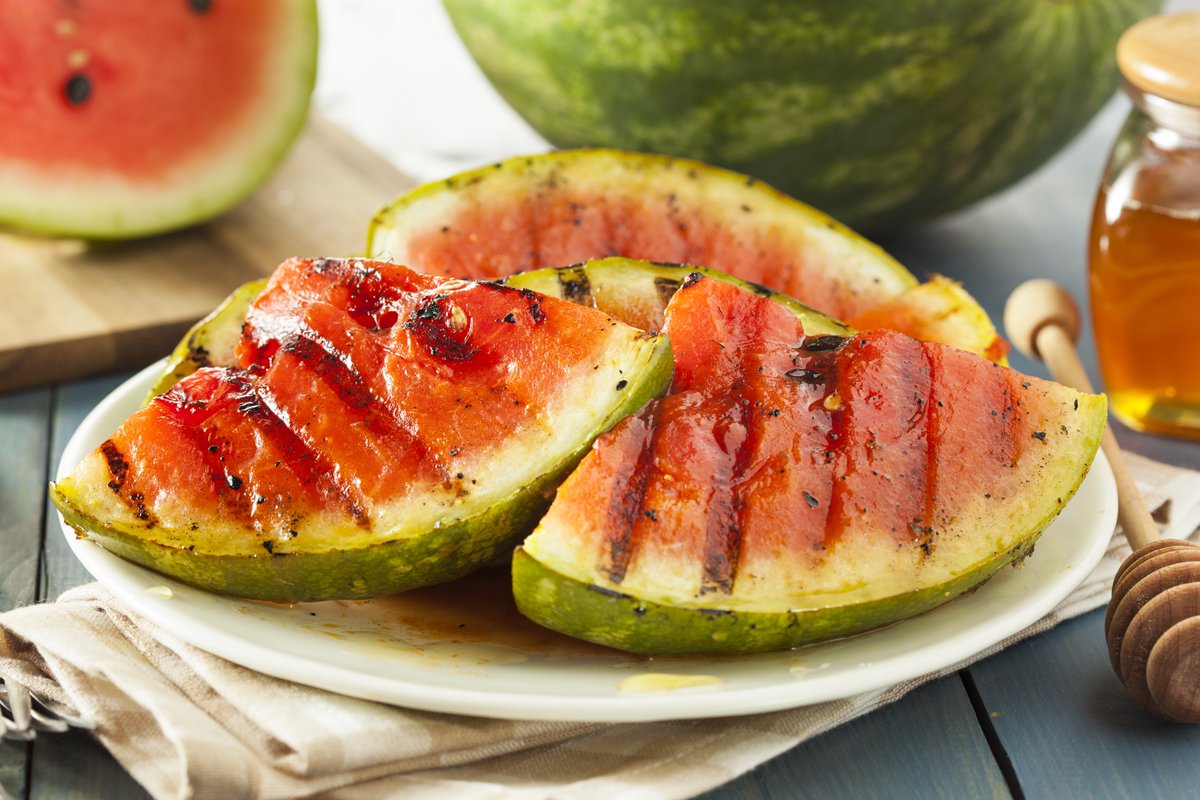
(123, 120)
(383, 430)
(567, 207)
(796, 486)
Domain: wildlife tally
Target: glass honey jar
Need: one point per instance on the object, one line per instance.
(1144, 259)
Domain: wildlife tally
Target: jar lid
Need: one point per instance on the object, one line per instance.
(1161, 56)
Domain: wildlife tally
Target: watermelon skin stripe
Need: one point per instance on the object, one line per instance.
(882, 115)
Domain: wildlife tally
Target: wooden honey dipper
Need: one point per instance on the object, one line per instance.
(1153, 620)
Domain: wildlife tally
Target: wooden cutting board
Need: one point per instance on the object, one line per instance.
(73, 308)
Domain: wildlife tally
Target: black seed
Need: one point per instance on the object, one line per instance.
(510, 318)
(234, 482)
(200, 6)
(78, 89)
(652, 514)
(621, 385)
(812, 501)
(807, 376)
(1039, 435)
(822, 344)
(269, 546)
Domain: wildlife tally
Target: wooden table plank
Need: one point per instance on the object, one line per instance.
(61, 569)
(1072, 730)
(24, 431)
(73, 765)
(898, 751)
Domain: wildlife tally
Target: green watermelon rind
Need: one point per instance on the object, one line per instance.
(624, 622)
(96, 212)
(386, 563)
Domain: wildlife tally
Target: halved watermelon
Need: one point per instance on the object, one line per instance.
(385, 430)
(797, 486)
(567, 207)
(127, 119)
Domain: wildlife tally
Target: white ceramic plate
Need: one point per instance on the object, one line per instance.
(461, 648)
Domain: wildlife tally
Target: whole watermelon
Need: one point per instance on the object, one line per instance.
(880, 113)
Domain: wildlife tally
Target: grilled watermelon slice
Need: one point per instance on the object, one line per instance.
(383, 429)
(566, 207)
(796, 486)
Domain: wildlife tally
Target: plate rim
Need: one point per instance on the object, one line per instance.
(114, 573)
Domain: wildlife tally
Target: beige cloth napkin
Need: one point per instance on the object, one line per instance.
(189, 724)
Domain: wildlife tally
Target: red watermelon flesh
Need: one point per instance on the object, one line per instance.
(373, 405)
(787, 472)
(123, 119)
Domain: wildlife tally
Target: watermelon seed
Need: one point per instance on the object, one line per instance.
(807, 376)
(78, 89)
(812, 501)
(200, 6)
(621, 385)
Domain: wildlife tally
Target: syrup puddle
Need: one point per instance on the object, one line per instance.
(462, 625)
(664, 682)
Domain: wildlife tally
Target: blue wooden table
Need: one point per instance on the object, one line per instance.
(1045, 718)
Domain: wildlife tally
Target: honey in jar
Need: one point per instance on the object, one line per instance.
(1144, 260)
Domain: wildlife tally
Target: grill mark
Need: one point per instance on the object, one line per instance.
(926, 533)
(822, 344)
(352, 389)
(118, 466)
(275, 423)
(626, 505)
(666, 288)
(723, 534)
(533, 304)
(910, 514)
(118, 471)
(430, 327)
(576, 286)
(247, 400)
(1009, 437)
